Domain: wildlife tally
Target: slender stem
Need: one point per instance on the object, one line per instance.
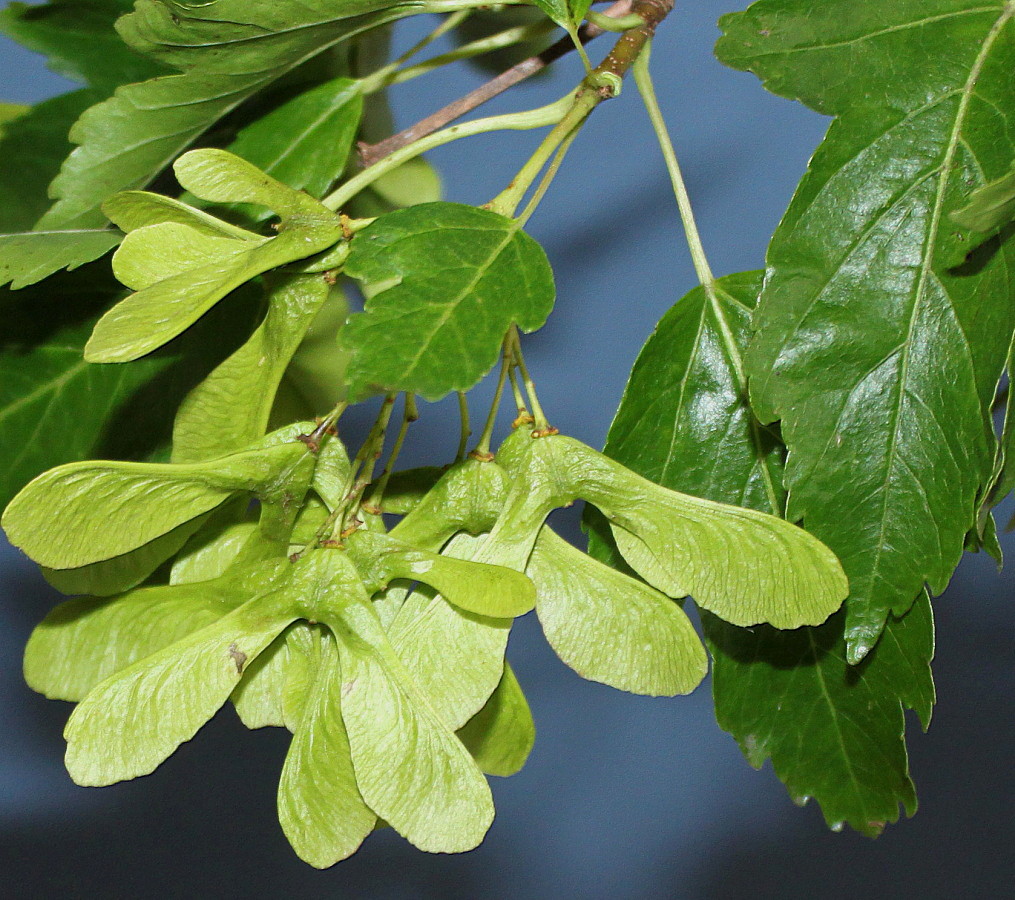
(539, 417)
(313, 440)
(643, 79)
(360, 474)
(409, 415)
(506, 38)
(466, 431)
(520, 404)
(482, 450)
(507, 201)
(547, 179)
(600, 84)
(370, 153)
(520, 121)
(386, 75)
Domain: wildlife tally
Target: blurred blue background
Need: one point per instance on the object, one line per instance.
(623, 798)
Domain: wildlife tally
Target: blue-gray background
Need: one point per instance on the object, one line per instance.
(623, 797)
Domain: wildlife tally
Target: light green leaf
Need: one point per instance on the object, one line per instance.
(501, 735)
(305, 141)
(331, 472)
(319, 805)
(990, 206)
(745, 566)
(129, 724)
(880, 358)
(34, 255)
(455, 657)
(833, 731)
(454, 279)
(467, 497)
(411, 769)
(611, 628)
(216, 545)
(84, 512)
(227, 50)
(121, 573)
(276, 685)
(180, 271)
(210, 422)
(84, 641)
(131, 210)
(487, 590)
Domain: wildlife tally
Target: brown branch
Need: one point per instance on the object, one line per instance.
(371, 153)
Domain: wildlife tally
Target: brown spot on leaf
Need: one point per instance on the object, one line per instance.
(238, 657)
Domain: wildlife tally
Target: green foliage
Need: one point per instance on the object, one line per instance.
(833, 731)
(897, 430)
(447, 280)
(228, 548)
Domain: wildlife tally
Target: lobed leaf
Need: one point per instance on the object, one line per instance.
(880, 357)
(451, 280)
(227, 50)
(788, 694)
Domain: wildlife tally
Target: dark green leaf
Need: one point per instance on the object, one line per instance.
(227, 51)
(880, 358)
(990, 206)
(34, 255)
(833, 731)
(451, 279)
(305, 142)
(79, 39)
(32, 149)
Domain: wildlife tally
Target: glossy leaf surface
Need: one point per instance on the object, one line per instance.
(227, 51)
(880, 357)
(779, 693)
(451, 279)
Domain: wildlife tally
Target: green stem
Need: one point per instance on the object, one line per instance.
(520, 121)
(506, 38)
(616, 25)
(483, 447)
(409, 415)
(643, 80)
(516, 390)
(386, 75)
(466, 431)
(547, 179)
(539, 417)
(601, 83)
